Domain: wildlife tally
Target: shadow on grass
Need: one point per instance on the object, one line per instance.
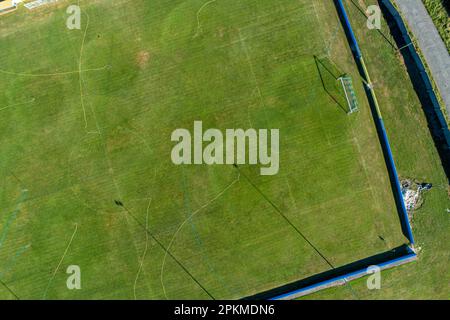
(331, 274)
(446, 5)
(327, 71)
(422, 86)
(363, 13)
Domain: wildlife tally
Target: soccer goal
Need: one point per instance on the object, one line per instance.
(347, 85)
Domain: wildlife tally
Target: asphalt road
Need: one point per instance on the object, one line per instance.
(431, 44)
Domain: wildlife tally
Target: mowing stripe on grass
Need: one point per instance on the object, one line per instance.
(167, 252)
(12, 216)
(286, 218)
(190, 217)
(12, 261)
(60, 261)
(9, 290)
(198, 239)
(216, 85)
(296, 229)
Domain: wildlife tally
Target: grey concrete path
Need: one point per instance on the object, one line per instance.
(431, 44)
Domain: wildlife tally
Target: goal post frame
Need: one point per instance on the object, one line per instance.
(351, 101)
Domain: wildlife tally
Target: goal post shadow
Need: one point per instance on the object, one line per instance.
(330, 76)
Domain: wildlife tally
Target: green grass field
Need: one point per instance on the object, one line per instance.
(75, 142)
(416, 158)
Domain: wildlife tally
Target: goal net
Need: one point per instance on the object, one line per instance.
(347, 85)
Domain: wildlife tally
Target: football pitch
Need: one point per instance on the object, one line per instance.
(85, 167)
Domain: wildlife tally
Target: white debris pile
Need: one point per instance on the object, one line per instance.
(411, 198)
(411, 192)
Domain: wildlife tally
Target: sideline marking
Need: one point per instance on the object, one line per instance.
(60, 261)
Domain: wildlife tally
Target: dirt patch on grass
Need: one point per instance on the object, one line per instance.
(142, 59)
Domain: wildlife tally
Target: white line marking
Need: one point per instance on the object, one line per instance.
(79, 72)
(52, 74)
(60, 261)
(145, 250)
(184, 222)
(18, 104)
(198, 17)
